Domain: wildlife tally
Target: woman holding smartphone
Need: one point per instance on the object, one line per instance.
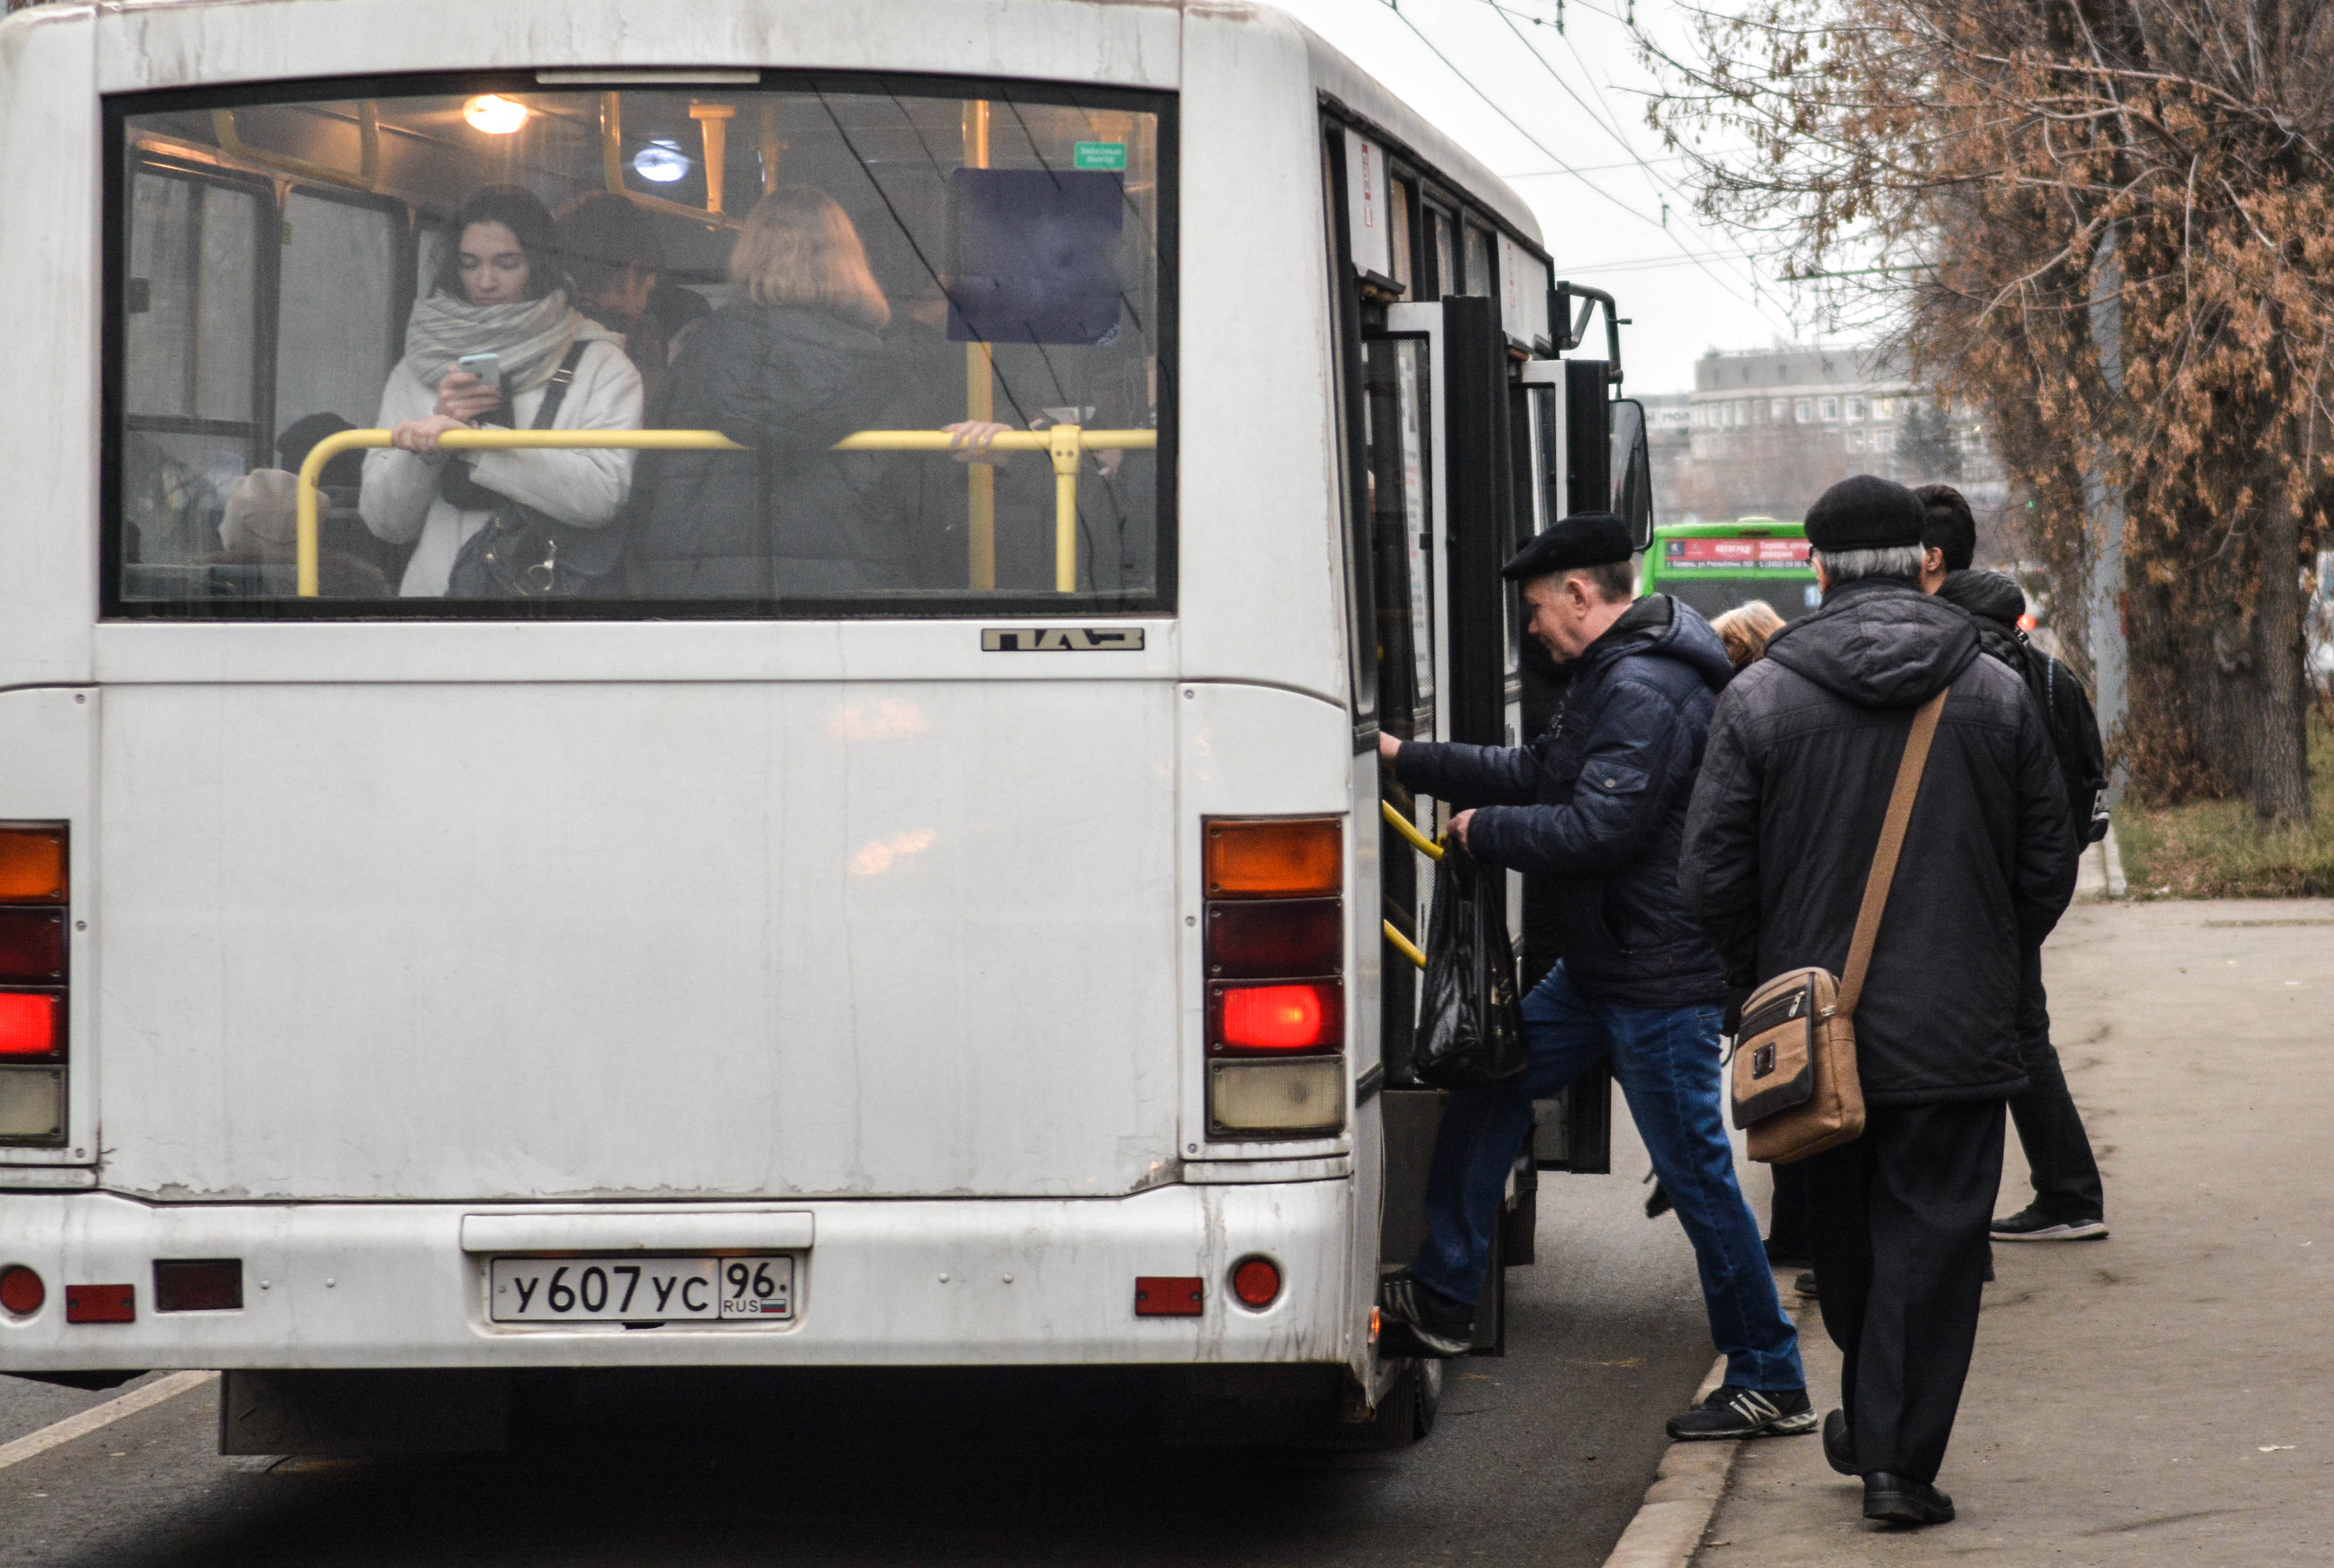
(487, 344)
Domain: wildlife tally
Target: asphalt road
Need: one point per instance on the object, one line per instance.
(1539, 1457)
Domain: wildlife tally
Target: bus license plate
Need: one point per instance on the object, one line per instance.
(637, 1290)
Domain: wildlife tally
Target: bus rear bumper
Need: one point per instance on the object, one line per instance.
(969, 1281)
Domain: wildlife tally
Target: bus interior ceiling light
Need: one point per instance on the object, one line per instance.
(662, 161)
(494, 114)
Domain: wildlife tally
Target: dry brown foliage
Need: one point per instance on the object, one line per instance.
(2008, 187)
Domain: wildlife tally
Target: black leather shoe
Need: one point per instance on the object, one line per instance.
(1901, 1500)
(1839, 1444)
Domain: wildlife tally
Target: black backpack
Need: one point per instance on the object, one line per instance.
(2074, 735)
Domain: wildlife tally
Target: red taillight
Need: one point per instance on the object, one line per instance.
(21, 1290)
(32, 1023)
(1306, 1017)
(1275, 939)
(32, 944)
(1256, 1283)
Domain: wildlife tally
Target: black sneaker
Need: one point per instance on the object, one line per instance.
(1417, 1319)
(1839, 1443)
(1901, 1500)
(1805, 1285)
(1736, 1412)
(2031, 1225)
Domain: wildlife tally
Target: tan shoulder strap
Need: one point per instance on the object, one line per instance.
(1884, 860)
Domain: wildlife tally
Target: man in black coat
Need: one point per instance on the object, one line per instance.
(1597, 804)
(2070, 1200)
(1802, 758)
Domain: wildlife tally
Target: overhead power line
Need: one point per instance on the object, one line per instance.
(1553, 156)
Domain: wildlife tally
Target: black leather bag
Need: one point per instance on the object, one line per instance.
(1471, 1025)
(525, 554)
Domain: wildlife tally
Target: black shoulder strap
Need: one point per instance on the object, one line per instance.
(555, 390)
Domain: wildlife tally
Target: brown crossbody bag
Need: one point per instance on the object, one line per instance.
(1795, 1085)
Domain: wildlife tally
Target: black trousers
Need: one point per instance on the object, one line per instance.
(1899, 1229)
(2050, 1130)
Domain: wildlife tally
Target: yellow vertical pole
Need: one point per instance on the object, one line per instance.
(713, 120)
(1064, 447)
(980, 397)
(773, 148)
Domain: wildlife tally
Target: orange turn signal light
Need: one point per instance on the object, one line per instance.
(1275, 857)
(32, 864)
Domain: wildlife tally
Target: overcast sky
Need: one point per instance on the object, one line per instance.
(1686, 287)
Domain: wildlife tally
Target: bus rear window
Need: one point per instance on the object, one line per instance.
(784, 346)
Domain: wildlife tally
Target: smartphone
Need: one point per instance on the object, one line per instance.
(486, 367)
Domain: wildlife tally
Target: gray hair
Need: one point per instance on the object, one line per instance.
(1848, 566)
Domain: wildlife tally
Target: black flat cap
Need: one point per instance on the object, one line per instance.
(1582, 539)
(1865, 513)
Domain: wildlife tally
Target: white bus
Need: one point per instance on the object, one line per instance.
(952, 926)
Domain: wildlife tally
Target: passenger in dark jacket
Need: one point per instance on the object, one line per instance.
(2070, 1199)
(1597, 805)
(1802, 758)
(788, 368)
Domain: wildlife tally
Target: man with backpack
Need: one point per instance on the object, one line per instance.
(2069, 1203)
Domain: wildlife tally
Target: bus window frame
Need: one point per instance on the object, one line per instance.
(266, 280)
(118, 108)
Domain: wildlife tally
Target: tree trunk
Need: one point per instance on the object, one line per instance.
(2280, 753)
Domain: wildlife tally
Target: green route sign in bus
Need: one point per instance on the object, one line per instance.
(1716, 566)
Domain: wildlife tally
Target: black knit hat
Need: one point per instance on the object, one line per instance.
(1582, 539)
(1865, 513)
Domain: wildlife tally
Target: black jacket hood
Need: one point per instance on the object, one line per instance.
(1663, 627)
(1878, 642)
(1989, 596)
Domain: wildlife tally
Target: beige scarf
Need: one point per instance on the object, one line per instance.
(531, 337)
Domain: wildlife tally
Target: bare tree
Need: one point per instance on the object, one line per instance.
(2109, 224)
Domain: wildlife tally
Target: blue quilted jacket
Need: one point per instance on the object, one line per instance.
(1597, 804)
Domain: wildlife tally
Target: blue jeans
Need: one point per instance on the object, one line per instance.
(1666, 1060)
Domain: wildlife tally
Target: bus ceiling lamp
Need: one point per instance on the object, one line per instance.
(494, 114)
(661, 161)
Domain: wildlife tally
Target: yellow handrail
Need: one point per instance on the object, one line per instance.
(1063, 443)
(1403, 945)
(1409, 829)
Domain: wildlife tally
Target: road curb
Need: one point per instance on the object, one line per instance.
(1687, 1487)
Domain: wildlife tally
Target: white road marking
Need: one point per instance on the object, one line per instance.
(100, 1416)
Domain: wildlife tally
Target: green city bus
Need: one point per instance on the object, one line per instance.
(1715, 566)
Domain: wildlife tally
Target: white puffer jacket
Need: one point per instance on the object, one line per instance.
(587, 488)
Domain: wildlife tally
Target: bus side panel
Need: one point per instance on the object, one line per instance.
(1261, 562)
(48, 741)
(427, 940)
(49, 319)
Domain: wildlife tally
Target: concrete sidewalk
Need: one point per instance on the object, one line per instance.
(2167, 1395)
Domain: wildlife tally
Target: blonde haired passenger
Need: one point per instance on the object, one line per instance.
(788, 367)
(1745, 629)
